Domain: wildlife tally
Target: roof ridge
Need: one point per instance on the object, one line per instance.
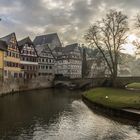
(25, 38)
(45, 34)
(8, 35)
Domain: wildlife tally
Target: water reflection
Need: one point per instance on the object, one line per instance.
(57, 115)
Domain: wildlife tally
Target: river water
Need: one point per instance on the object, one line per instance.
(57, 115)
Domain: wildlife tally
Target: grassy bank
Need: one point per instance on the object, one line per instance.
(134, 85)
(116, 98)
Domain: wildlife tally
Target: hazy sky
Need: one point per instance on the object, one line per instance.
(69, 18)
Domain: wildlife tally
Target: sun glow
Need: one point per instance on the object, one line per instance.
(132, 38)
(129, 47)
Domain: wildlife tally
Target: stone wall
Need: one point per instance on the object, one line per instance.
(16, 85)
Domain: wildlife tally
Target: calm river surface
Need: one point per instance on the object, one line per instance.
(57, 115)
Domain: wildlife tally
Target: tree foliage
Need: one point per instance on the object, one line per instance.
(108, 35)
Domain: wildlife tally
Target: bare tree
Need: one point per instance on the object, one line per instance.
(137, 44)
(108, 35)
(137, 41)
(137, 24)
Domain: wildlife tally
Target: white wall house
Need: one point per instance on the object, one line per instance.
(44, 46)
(45, 62)
(68, 61)
(97, 68)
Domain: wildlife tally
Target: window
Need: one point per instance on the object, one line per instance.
(17, 55)
(13, 54)
(17, 65)
(6, 53)
(5, 63)
(33, 67)
(15, 75)
(5, 72)
(22, 66)
(9, 53)
(20, 75)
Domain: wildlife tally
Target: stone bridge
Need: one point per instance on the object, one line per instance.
(80, 83)
(123, 81)
(95, 82)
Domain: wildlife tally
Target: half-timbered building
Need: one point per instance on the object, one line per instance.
(11, 57)
(45, 61)
(69, 62)
(3, 49)
(28, 58)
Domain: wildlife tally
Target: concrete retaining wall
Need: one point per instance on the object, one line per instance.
(16, 85)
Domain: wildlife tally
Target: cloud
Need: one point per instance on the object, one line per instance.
(69, 18)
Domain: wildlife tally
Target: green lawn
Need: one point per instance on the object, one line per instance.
(134, 85)
(116, 98)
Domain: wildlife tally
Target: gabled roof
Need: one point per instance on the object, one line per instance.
(40, 48)
(24, 41)
(58, 49)
(46, 39)
(8, 38)
(71, 47)
(3, 45)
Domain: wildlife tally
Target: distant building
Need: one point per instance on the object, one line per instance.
(12, 57)
(46, 61)
(124, 70)
(3, 50)
(97, 68)
(68, 61)
(28, 58)
(52, 40)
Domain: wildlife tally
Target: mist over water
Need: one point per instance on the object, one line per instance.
(57, 115)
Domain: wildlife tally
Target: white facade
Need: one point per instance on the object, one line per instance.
(69, 68)
(45, 62)
(68, 62)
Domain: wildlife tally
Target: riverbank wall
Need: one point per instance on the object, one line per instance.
(117, 114)
(16, 85)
